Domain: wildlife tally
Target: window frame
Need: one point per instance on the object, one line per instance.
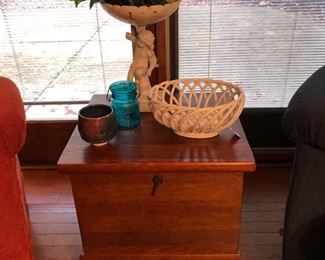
(262, 125)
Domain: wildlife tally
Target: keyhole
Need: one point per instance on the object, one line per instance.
(157, 181)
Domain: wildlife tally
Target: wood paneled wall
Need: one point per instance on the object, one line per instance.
(45, 141)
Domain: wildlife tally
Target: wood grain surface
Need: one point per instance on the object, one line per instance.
(188, 214)
(155, 148)
(195, 212)
(56, 232)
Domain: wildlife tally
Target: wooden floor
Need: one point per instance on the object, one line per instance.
(56, 233)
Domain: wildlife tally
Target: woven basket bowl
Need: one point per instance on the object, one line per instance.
(196, 108)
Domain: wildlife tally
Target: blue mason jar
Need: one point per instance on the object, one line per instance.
(125, 104)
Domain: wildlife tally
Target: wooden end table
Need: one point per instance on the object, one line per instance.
(150, 194)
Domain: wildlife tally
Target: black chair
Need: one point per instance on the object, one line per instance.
(304, 123)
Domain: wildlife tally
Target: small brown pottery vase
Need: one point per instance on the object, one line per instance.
(96, 124)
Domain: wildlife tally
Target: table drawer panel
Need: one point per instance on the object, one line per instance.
(178, 187)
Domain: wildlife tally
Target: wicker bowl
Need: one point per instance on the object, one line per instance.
(196, 108)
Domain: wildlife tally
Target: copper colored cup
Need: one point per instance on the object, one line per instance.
(96, 124)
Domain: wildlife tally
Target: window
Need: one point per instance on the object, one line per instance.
(59, 54)
(268, 47)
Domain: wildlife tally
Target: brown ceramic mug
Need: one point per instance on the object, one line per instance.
(96, 124)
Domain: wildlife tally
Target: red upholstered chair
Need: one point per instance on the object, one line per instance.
(15, 236)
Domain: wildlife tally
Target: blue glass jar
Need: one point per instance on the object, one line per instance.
(125, 104)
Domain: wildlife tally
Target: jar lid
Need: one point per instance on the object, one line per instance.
(123, 86)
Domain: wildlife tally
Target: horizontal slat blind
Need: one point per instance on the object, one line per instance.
(268, 47)
(51, 50)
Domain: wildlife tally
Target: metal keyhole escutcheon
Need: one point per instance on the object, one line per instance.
(156, 181)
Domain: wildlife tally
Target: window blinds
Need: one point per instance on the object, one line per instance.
(52, 49)
(268, 47)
